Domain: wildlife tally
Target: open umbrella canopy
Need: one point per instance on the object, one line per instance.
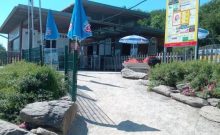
(134, 39)
(202, 33)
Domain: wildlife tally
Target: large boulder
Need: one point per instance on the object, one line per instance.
(128, 73)
(209, 121)
(144, 82)
(192, 101)
(214, 101)
(137, 67)
(211, 113)
(56, 115)
(163, 89)
(7, 128)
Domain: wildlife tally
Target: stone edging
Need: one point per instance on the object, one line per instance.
(211, 113)
(174, 94)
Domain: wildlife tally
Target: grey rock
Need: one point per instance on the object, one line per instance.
(164, 90)
(56, 115)
(206, 127)
(7, 128)
(211, 113)
(41, 131)
(128, 73)
(192, 101)
(137, 67)
(182, 85)
(67, 98)
(144, 82)
(213, 101)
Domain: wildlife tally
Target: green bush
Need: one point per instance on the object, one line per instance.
(168, 74)
(200, 74)
(22, 83)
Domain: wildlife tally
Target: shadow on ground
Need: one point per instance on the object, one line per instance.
(90, 112)
(84, 88)
(86, 75)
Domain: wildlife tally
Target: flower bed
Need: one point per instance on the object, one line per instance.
(141, 65)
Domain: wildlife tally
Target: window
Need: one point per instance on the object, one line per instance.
(48, 43)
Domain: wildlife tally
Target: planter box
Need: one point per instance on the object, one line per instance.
(137, 67)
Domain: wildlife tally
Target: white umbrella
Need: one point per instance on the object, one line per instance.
(134, 40)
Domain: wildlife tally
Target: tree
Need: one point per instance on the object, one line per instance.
(156, 20)
(2, 49)
(209, 17)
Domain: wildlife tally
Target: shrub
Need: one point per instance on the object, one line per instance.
(204, 77)
(168, 74)
(22, 83)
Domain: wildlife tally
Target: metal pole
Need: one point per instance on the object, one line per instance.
(164, 54)
(75, 68)
(41, 32)
(197, 45)
(31, 41)
(51, 54)
(196, 51)
(29, 29)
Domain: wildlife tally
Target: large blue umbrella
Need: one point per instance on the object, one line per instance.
(51, 28)
(79, 26)
(51, 31)
(79, 29)
(134, 40)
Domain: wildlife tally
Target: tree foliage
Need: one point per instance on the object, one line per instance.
(2, 49)
(209, 18)
(155, 20)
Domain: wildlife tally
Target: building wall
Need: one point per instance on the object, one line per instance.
(60, 42)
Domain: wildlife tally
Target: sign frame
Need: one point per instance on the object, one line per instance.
(181, 31)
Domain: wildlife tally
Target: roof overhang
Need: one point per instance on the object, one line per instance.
(20, 14)
(91, 6)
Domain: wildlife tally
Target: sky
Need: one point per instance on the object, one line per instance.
(6, 6)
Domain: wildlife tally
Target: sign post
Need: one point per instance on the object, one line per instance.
(182, 23)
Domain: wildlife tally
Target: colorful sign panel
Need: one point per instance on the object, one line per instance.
(181, 23)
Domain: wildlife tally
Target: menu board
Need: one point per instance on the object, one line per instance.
(181, 23)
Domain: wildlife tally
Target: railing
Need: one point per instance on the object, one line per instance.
(110, 63)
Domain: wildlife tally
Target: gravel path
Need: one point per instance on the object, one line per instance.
(111, 105)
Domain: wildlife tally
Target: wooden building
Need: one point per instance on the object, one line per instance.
(109, 24)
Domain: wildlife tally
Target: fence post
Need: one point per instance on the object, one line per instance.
(66, 62)
(41, 55)
(75, 68)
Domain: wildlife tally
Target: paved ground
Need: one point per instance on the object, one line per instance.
(111, 105)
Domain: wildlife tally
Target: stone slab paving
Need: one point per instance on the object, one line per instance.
(111, 105)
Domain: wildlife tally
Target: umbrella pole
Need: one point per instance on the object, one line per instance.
(75, 70)
(133, 50)
(51, 53)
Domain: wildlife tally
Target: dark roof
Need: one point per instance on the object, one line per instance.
(20, 14)
(101, 8)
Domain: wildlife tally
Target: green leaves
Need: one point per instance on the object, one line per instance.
(22, 83)
(204, 77)
(156, 20)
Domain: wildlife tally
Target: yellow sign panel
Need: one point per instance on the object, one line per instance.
(181, 23)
